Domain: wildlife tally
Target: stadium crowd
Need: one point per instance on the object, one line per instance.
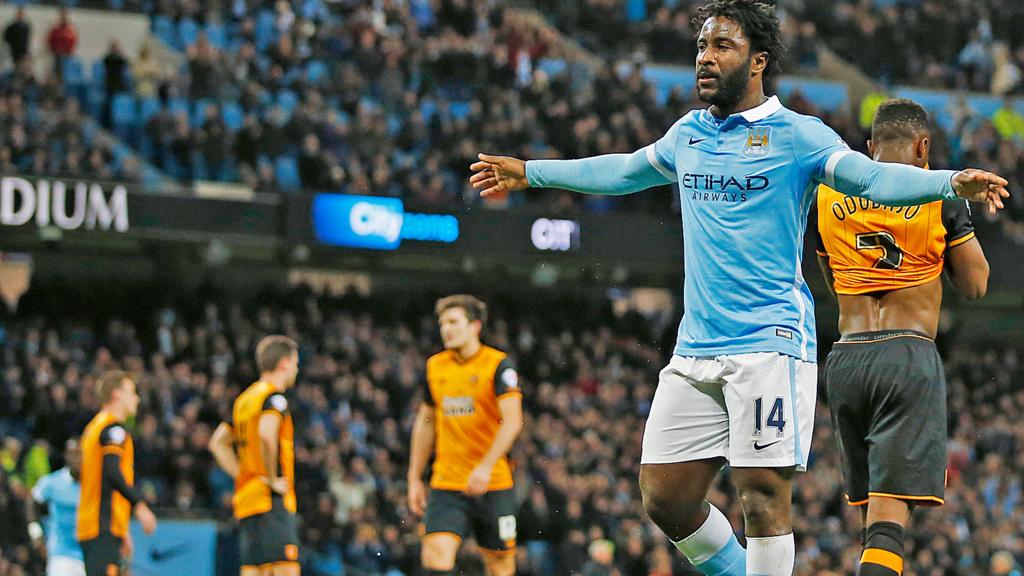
(588, 386)
(389, 98)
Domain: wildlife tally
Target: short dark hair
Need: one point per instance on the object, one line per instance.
(475, 309)
(759, 23)
(272, 349)
(110, 381)
(899, 119)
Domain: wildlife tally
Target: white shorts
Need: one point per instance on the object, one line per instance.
(754, 410)
(64, 566)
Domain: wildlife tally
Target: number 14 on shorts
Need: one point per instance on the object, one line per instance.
(776, 417)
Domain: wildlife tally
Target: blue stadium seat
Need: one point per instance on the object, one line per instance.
(216, 34)
(428, 108)
(177, 105)
(266, 33)
(188, 31)
(286, 170)
(147, 108)
(124, 111)
(233, 115)
(552, 66)
(829, 96)
(287, 100)
(459, 110)
(199, 112)
(163, 28)
(316, 71)
(73, 72)
(98, 75)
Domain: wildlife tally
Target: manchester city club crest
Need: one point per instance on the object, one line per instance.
(758, 141)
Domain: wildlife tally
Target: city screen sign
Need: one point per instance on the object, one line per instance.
(376, 223)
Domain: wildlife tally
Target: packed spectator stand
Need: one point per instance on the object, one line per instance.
(394, 98)
(588, 388)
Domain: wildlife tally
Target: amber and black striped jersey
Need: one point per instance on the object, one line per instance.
(252, 494)
(107, 478)
(876, 248)
(466, 414)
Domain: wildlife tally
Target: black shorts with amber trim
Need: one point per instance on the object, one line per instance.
(887, 397)
(102, 555)
(490, 518)
(269, 538)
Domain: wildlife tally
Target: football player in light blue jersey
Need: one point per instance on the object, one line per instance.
(741, 385)
(59, 491)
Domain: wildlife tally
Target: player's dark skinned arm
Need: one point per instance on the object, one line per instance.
(223, 450)
(967, 269)
(826, 271)
(269, 426)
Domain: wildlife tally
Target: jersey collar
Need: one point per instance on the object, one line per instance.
(769, 107)
(766, 109)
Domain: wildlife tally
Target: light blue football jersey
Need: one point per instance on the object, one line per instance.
(60, 492)
(746, 183)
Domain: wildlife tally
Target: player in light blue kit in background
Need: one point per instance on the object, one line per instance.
(741, 385)
(59, 491)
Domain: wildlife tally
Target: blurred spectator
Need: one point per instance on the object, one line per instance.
(146, 72)
(18, 36)
(1009, 122)
(62, 40)
(362, 360)
(115, 67)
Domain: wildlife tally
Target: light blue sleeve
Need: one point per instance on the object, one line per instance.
(41, 491)
(827, 159)
(887, 183)
(610, 174)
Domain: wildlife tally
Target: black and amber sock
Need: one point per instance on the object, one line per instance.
(883, 550)
(429, 572)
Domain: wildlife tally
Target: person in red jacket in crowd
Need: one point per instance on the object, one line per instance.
(62, 39)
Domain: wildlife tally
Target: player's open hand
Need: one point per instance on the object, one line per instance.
(478, 480)
(498, 175)
(981, 186)
(146, 518)
(417, 497)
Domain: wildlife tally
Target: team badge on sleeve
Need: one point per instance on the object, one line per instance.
(758, 141)
(510, 378)
(279, 402)
(117, 435)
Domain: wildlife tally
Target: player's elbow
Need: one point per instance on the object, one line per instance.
(977, 287)
(975, 283)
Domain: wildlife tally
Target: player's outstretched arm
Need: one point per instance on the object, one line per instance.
(610, 174)
(223, 451)
(902, 185)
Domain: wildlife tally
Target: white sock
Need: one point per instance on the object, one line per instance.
(771, 556)
(713, 548)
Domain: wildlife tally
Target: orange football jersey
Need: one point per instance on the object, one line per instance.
(102, 508)
(874, 248)
(252, 493)
(466, 414)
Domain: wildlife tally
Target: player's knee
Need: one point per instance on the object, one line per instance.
(766, 509)
(438, 554)
(670, 509)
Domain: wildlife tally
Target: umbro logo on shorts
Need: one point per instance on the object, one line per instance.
(760, 447)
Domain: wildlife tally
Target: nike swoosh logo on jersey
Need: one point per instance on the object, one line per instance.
(760, 447)
(696, 141)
